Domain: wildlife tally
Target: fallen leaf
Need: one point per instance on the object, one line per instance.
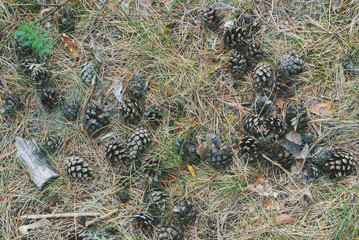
(326, 108)
(294, 137)
(262, 187)
(191, 170)
(305, 151)
(293, 148)
(69, 44)
(270, 205)
(284, 219)
(250, 209)
(202, 150)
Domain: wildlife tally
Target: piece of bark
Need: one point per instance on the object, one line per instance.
(35, 162)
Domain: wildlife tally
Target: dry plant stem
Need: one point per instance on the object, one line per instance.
(284, 170)
(61, 215)
(24, 229)
(96, 220)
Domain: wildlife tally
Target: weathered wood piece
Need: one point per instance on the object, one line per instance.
(35, 162)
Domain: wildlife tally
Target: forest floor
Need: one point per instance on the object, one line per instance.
(167, 43)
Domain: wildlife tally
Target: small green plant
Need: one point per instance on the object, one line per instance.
(31, 36)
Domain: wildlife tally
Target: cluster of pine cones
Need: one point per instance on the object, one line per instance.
(265, 130)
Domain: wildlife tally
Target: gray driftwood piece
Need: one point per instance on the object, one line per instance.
(35, 162)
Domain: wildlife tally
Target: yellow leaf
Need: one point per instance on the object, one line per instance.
(191, 170)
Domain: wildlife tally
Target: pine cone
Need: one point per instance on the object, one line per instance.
(96, 119)
(153, 113)
(274, 125)
(254, 50)
(170, 232)
(25, 64)
(236, 37)
(11, 104)
(116, 152)
(156, 198)
(130, 109)
(263, 106)
(51, 144)
(211, 18)
(143, 221)
(39, 75)
(255, 126)
(263, 75)
(248, 145)
(341, 163)
(137, 141)
(88, 73)
(289, 64)
(67, 19)
(275, 152)
(78, 168)
(152, 169)
(50, 98)
(220, 154)
(137, 87)
(184, 211)
(246, 20)
(70, 110)
(310, 172)
(186, 148)
(22, 49)
(237, 63)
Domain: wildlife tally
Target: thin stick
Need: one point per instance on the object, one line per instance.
(61, 215)
(288, 173)
(109, 214)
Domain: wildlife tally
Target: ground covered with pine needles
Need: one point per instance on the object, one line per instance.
(167, 43)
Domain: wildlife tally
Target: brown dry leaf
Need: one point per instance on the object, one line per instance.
(202, 150)
(270, 205)
(305, 151)
(262, 187)
(326, 108)
(284, 219)
(250, 208)
(69, 44)
(294, 137)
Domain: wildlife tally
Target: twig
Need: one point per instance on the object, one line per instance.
(61, 215)
(24, 229)
(109, 214)
(284, 170)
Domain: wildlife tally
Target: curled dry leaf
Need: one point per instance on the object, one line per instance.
(270, 205)
(249, 208)
(262, 186)
(305, 152)
(69, 44)
(325, 108)
(284, 219)
(203, 150)
(294, 137)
